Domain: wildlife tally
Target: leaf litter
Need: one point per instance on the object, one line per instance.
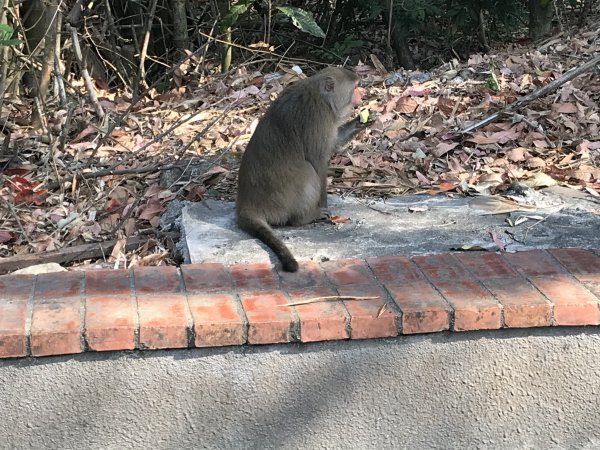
(91, 189)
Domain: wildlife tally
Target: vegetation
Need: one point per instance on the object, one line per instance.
(101, 102)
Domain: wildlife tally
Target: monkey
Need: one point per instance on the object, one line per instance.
(282, 177)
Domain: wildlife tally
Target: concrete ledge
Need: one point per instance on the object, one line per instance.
(207, 305)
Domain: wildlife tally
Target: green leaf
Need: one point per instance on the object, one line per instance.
(6, 32)
(302, 20)
(10, 42)
(234, 13)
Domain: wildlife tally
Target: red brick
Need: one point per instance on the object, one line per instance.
(207, 277)
(13, 315)
(110, 322)
(441, 267)
(55, 325)
(369, 318)
(423, 310)
(573, 304)
(309, 275)
(15, 291)
(16, 287)
(253, 276)
(584, 265)
(156, 280)
(523, 305)
(107, 282)
(321, 321)
(474, 308)
(345, 272)
(486, 265)
(533, 263)
(217, 321)
(394, 269)
(267, 322)
(58, 285)
(163, 322)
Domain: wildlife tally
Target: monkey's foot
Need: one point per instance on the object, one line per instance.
(324, 215)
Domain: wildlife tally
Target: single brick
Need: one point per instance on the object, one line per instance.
(584, 265)
(156, 280)
(345, 272)
(474, 308)
(394, 270)
(13, 315)
(255, 276)
(206, 277)
(15, 291)
(110, 322)
(441, 267)
(524, 306)
(320, 321)
(107, 282)
(58, 285)
(533, 263)
(485, 265)
(16, 287)
(163, 323)
(573, 304)
(423, 310)
(55, 325)
(309, 275)
(217, 321)
(369, 318)
(268, 323)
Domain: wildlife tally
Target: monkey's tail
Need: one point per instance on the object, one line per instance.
(260, 229)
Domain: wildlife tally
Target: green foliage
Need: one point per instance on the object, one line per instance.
(491, 81)
(415, 14)
(234, 13)
(340, 50)
(507, 13)
(6, 33)
(302, 20)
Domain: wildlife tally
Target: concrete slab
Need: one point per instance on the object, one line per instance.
(388, 227)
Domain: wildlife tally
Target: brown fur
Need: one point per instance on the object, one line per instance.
(283, 173)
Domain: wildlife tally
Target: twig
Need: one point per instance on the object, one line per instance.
(16, 217)
(141, 74)
(545, 90)
(85, 74)
(62, 95)
(327, 298)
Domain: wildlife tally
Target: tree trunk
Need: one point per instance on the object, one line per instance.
(398, 37)
(224, 6)
(39, 21)
(540, 18)
(481, 28)
(180, 33)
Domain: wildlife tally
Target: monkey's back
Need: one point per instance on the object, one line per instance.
(278, 176)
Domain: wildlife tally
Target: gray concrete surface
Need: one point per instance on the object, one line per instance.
(507, 389)
(558, 218)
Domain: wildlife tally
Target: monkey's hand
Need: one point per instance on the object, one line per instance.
(351, 128)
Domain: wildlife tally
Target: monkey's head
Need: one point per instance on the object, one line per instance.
(339, 88)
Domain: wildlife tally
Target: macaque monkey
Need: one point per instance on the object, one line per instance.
(283, 173)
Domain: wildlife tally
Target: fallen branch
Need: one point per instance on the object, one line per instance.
(75, 253)
(538, 93)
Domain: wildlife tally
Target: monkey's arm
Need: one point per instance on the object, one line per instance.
(348, 130)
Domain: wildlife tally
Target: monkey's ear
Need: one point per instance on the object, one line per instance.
(329, 84)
